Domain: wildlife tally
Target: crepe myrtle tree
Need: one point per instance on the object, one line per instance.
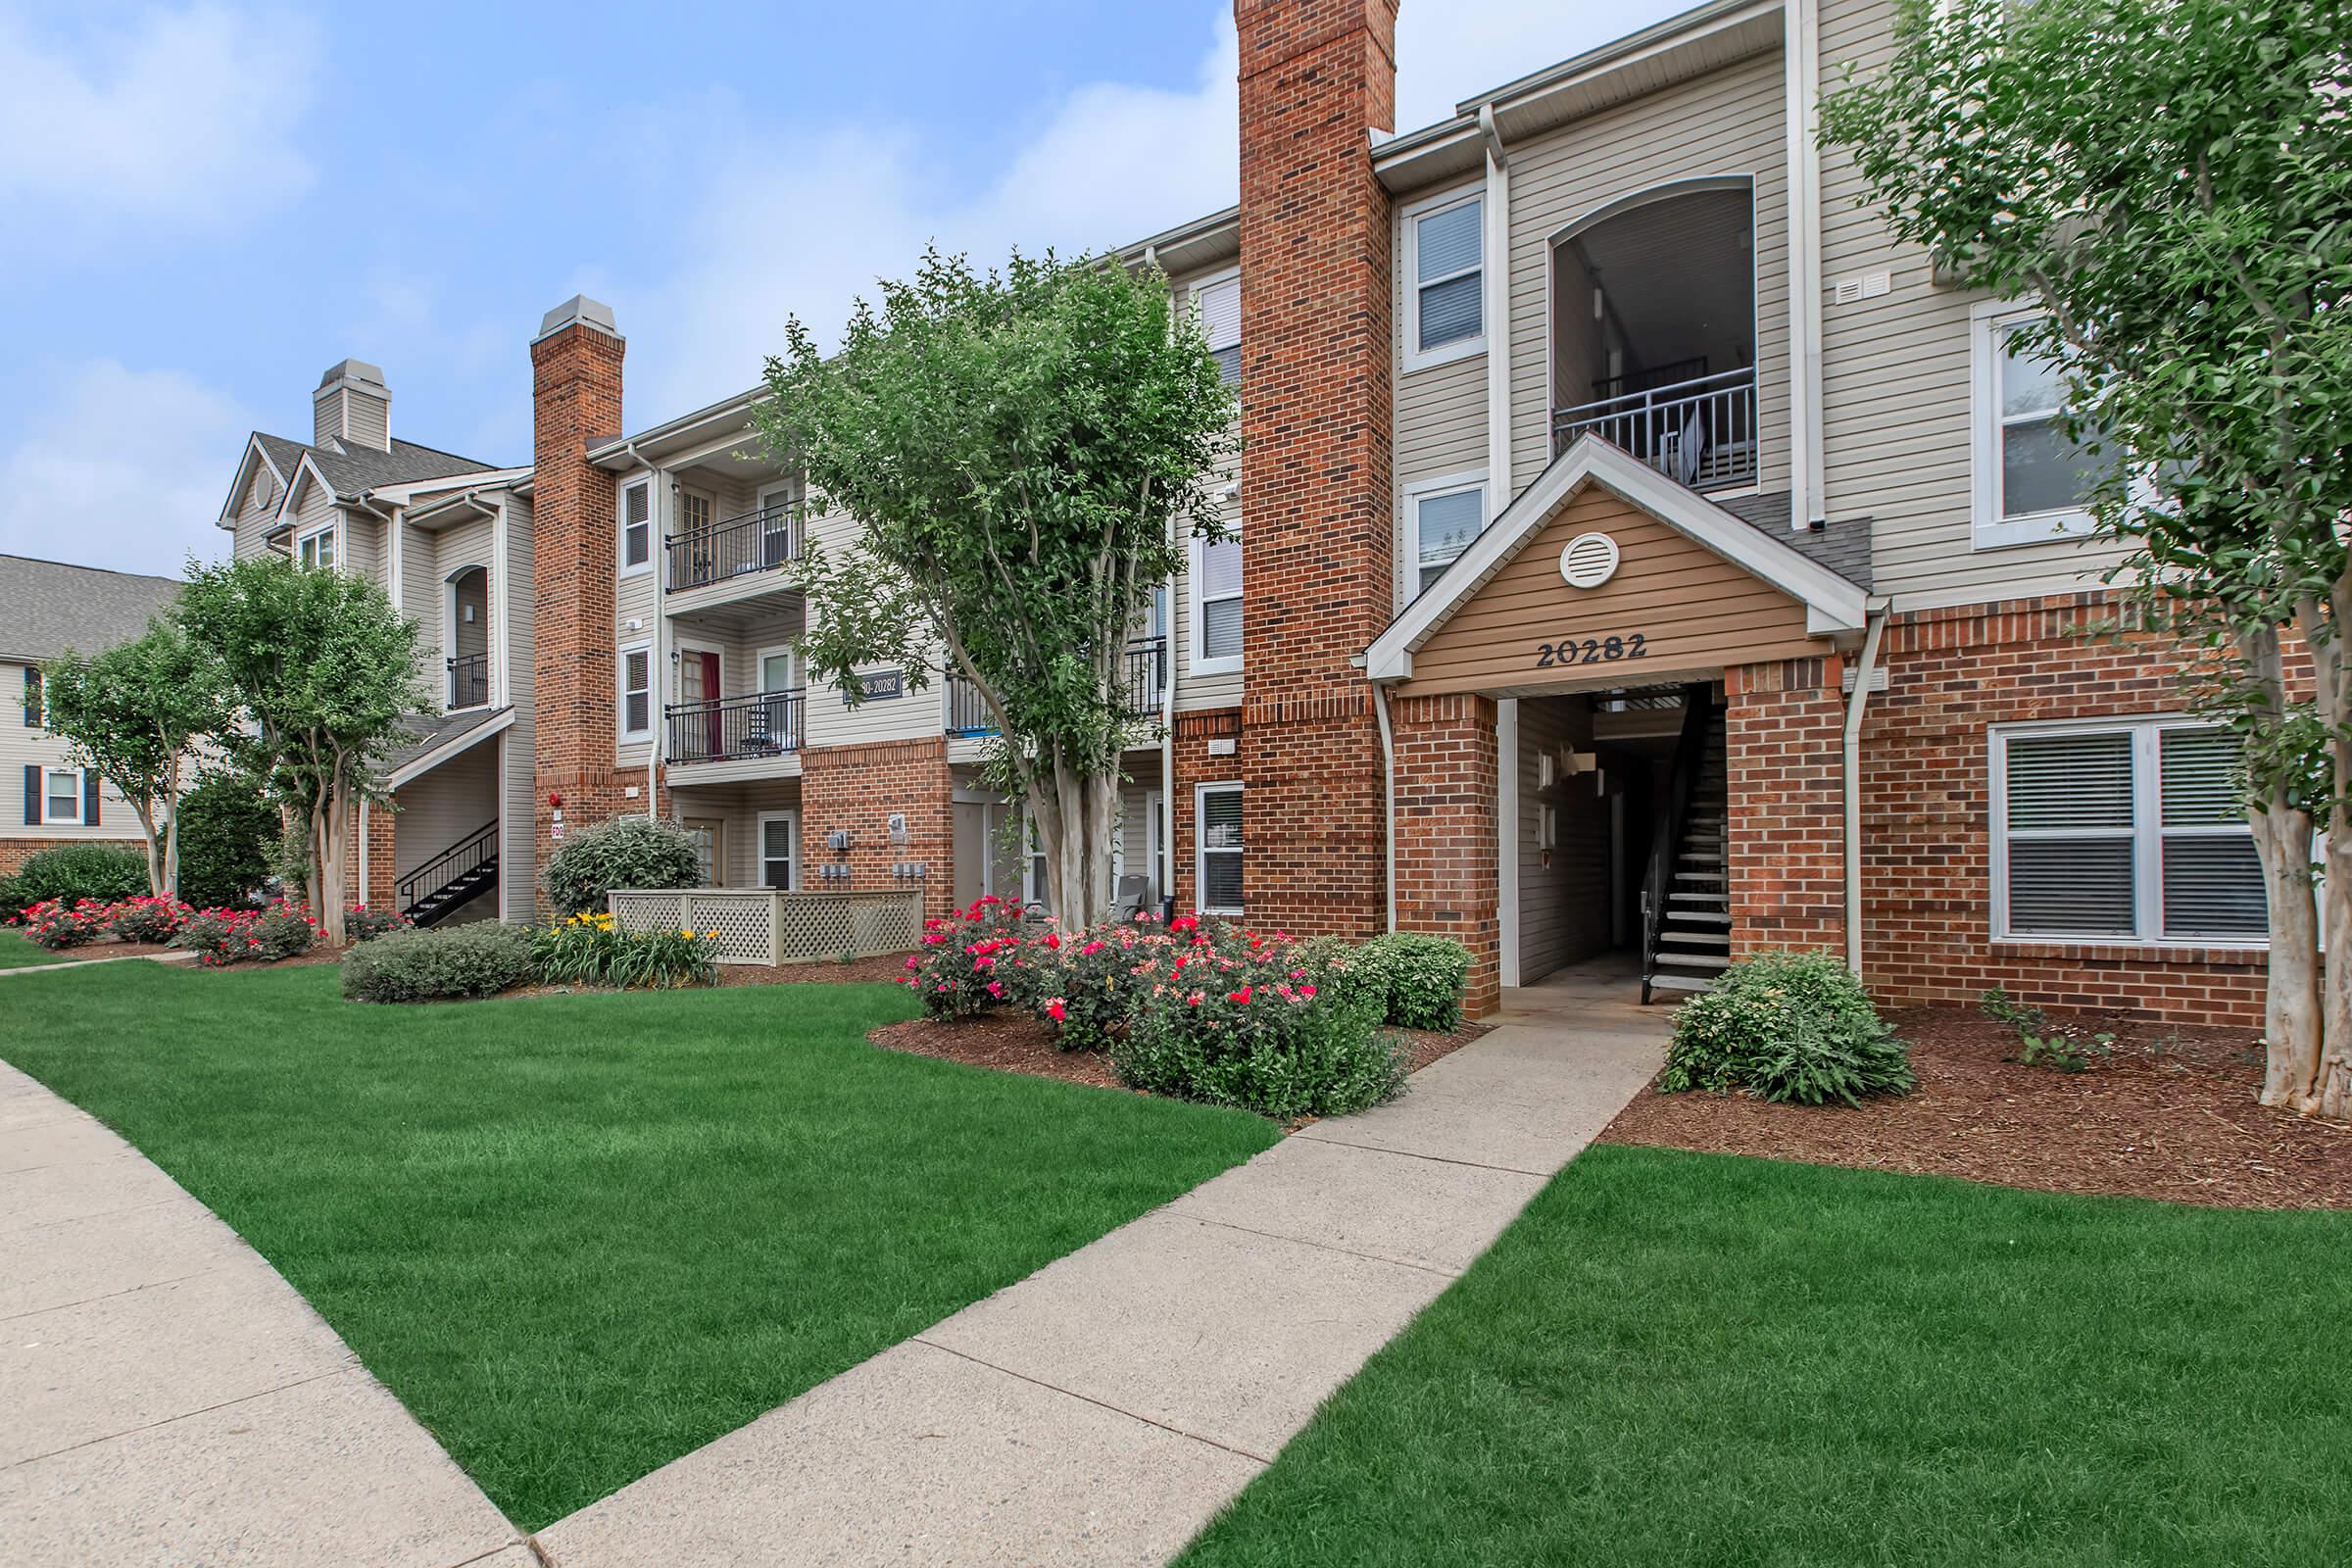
(319, 670)
(135, 714)
(2171, 181)
(1023, 454)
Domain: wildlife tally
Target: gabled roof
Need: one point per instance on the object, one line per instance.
(1832, 603)
(47, 606)
(349, 471)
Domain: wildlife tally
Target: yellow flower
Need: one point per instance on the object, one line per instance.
(683, 931)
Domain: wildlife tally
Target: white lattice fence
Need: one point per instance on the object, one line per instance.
(765, 925)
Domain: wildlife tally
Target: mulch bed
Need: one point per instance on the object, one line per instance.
(111, 950)
(891, 966)
(1014, 1041)
(2170, 1116)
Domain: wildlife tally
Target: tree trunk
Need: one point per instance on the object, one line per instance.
(2290, 1020)
(158, 885)
(2327, 1092)
(1075, 816)
(328, 909)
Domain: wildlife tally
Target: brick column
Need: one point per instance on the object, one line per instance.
(1447, 801)
(382, 863)
(856, 789)
(1782, 737)
(1315, 471)
(576, 404)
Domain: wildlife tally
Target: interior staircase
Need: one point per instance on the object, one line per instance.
(1695, 932)
(451, 879)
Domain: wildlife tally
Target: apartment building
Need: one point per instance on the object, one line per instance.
(53, 606)
(1639, 553)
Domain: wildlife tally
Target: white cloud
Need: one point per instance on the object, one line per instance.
(793, 223)
(122, 468)
(183, 117)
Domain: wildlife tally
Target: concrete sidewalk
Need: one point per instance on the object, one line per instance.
(166, 1399)
(1102, 1410)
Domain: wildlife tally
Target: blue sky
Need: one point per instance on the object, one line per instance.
(206, 205)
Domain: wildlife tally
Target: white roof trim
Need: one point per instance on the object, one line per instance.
(243, 479)
(1832, 602)
(407, 490)
(282, 514)
(415, 768)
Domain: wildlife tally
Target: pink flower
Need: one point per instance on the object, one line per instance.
(1242, 996)
(1054, 1008)
(913, 963)
(1306, 990)
(1090, 949)
(1197, 997)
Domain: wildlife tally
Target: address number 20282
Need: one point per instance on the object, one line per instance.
(1590, 651)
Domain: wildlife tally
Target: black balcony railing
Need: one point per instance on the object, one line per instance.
(724, 728)
(469, 681)
(1701, 432)
(757, 540)
(1142, 677)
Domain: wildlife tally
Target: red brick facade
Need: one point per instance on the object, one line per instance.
(1315, 458)
(381, 832)
(576, 402)
(14, 852)
(1786, 829)
(1195, 731)
(856, 789)
(1447, 830)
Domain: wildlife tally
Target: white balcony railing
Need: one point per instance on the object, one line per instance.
(1702, 432)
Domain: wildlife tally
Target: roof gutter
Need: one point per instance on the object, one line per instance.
(1851, 763)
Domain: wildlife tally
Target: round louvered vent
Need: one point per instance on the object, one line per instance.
(1590, 559)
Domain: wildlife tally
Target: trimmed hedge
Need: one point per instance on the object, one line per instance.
(1421, 977)
(459, 961)
(627, 852)
(68, 873)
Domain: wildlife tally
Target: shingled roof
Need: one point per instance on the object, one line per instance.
(352, 471)
(49, 606)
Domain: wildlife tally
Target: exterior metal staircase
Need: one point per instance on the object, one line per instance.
(451, 879)
(1687, 909)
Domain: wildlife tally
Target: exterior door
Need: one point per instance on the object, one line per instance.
(694, 526)
(779, 674)
(699, 683)
(778, 833)
(710, 835)
(971, 852)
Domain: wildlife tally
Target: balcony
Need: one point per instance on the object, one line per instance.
(738, 546)
(469, 681)
(1142, 677)
(732, 728)
(1700, 432)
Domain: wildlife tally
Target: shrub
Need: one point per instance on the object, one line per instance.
(1239, 1019)
(627, 852)
(222, 937)
(1421, 978)
(1785, 1026)
(70, 872)
(12, 901)
(480, 960)
(2039, 1042)
(972, 962)
(58, 925)
(362, 924)
(228, 834)
(146, 919)
(591, 950)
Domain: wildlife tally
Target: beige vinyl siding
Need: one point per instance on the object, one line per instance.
(1440, 413)
(370, 422)
(444, 806)
(1198, 690)
(364, 546)
(1563, 907)
(831, 722)
(738, 806)
(1895, 387)
(420, 600)
(21, 744)
(314, 508)
(1729, 122)
(253, 515)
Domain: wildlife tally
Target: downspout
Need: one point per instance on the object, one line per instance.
(1801, 50)
(1852, 764)
(1167, 739)
(1497, 240)
(1388, 794)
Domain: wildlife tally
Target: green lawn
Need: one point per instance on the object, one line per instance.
(17, 954)
(579, 1235)
(1692, 1359)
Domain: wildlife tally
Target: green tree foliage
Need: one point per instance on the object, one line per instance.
(2173, 180)
(320, 670)
(134, 714)
(228, 834)
(1024, 454)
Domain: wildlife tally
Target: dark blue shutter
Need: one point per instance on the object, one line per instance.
(33, 696)
(32, 793)
(89, 797)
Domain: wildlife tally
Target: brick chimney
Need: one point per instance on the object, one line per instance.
(352, 408)
(575, 404)
(1316, 77)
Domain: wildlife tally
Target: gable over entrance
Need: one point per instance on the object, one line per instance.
(1606, 571)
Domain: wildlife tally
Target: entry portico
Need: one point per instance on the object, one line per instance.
(1631, 692)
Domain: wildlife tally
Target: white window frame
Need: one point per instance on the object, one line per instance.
(621, 526)
(82, 789)
(2147, 832)
(620, 709)
(1421, 490)
(1201, 850)
(1195, 661)
(1989, 321)
(309, 542)
(1198, 287)
(1409, 248)
(760, 857)
(790, 652)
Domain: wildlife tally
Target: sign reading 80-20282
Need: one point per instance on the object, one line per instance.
(1591, 650)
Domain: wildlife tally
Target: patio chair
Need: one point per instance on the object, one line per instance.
(1133, 896)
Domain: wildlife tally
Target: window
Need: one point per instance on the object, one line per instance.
(317, 550)
(637, 527)
(779, 833)
(1219, 302)
(2124, 832)
(1217, 814)
(1447, 515)
(637, 692)
(2031, 483)
(61, 795)
(779, 524)
(1036, 889)
(1444, 249)
(1217, 606)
